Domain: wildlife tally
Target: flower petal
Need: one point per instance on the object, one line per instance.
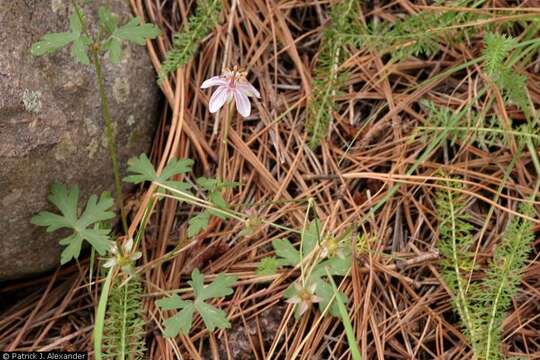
(303, 308)
(294, 300)
(214, 81)
(136, 256)
(248, 89)
(128, 245)
(242, 103)
(110, 263)
(218, 98)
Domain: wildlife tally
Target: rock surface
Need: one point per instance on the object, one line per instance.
(51, 127)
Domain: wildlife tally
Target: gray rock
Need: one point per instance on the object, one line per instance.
(51, 127)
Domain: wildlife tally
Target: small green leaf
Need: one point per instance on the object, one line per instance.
(114, 48)
(220, 287)
(180, 323)
(135, 32)
(310, 237)
(72, 250)
(198, 223)
(175, 167)
(51, 43)
(172, 302)
(213, 185)
(75, 24)
(284, 249)
(142, 170)
(325, 291)
(269, 266)
(78, 50)
(213, 317)
(107, 20)
(335, 265)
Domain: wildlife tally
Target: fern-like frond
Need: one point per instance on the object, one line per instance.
(498, 48)
(185, 42)
(421, 33)
(124, 325)
(476, 128)
(502, 281)
(455, 245)
(328, 79)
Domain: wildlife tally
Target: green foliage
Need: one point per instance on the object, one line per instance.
(420, 34)
(212, 317)
(213, 187)
(269, 266)
(51, 43)
(185, 43)
(133, 31)
(288, 255)
(497, 50)
(141, 170)
(286, 252)
(455, 245)
(109, 39)
(328, 78)
(84, 226)
(481, 305)
(502, 282)
(124, 324)
(484, 130)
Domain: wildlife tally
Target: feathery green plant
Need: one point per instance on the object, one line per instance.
(420, 34)
(455, 245)
(497, 50)
(481, 305)
(328, 77)
(185, 43)
(476, 127)
(124, 324)
(502, 281)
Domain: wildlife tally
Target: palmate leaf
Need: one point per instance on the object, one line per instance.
(214, 187)
(84, 227)
(269, 266)
(212, 317)
(220, 287)
(141, 170)
(287, 254)
(286, 251)
(198, 223)
(133, 31)
(51, 43)
(136, 32)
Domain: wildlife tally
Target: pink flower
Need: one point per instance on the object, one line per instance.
(304, 297)
(232, 84)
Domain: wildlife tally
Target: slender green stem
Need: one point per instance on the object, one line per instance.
(111, 137)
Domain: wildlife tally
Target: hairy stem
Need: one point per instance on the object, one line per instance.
(111, 138)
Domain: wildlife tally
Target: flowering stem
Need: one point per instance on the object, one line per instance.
(111, 138)
(223, 155)
(228, 120)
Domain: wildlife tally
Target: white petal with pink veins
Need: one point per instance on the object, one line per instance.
(248, 89)
(218, 98)
(242, 103)
(214, 81)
